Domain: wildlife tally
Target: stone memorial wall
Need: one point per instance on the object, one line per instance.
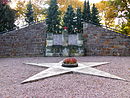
(28, 41)
(103, 42)
(31, 40)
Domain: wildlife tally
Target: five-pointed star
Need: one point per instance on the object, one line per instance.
(56, 69)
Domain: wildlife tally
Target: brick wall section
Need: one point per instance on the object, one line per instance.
(29, 41)
(103, 42)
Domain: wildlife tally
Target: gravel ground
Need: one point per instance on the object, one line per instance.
(72, 85)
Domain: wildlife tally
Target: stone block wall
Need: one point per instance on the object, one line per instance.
(29, 41)
(103, 42)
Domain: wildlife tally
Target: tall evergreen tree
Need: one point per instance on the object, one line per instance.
(7, 17)
(69, 19)
(29, 13)
(95, 16)
(53, 19)
(86, 12)
(79, 24)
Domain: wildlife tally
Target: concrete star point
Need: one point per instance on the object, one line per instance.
(56, 69)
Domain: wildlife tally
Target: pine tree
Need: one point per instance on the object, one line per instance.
(95, 16)
(79, 24)
(29, 13)
(86, 12)
(69, 19)
(53, 19)
(7, 17)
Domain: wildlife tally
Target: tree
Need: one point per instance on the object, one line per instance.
(20, 8)
(86, 12)
(123, 9)
(7, 17)
(29, 14)
(79, 24)
(69, 19)
(116, 9)
(38, 12)
(108, 13)
(63, 4)
(53, 19)
(95, 16)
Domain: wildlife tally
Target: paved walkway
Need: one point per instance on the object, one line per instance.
(13, 71)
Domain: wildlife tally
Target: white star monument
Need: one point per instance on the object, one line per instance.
(56, 69)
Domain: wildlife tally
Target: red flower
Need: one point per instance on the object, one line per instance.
(65, 28)
(73, 60)
(66, 61)
(70, 61)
